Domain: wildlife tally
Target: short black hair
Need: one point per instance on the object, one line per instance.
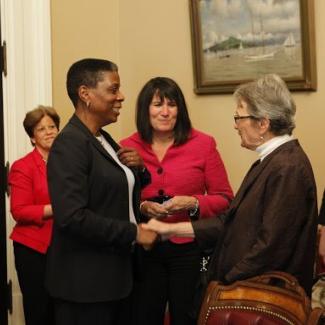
(86, 72)
(165, 88)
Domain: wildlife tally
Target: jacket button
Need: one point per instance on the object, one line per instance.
(159, 170)
(161, 192)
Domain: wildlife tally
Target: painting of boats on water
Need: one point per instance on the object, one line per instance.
(239, 40)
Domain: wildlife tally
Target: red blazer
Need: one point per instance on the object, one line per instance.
(28, 196)
(194, 168)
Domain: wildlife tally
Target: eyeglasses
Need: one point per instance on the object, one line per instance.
(238, 117)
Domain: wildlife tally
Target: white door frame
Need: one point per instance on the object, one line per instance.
(26, 29)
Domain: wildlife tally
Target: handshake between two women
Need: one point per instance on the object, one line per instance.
(155, 229)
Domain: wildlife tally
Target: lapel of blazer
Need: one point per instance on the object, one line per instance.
(115, 146)
(252, 176)
(76, 122)
(248, 180)
(38, 160)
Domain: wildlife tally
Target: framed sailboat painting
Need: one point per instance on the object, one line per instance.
(235, 41)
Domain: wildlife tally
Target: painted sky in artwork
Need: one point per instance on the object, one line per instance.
(244, 19)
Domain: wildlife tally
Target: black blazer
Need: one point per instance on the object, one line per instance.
(89, 259)
(271, 223)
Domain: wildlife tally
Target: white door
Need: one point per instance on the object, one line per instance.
(25, 27)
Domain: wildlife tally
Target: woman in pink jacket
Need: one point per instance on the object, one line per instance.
(31, 208)
(188, 180)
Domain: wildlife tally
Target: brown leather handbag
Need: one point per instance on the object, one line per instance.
(274, 298)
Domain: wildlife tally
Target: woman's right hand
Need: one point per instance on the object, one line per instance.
(146, 237)
(162, 228)
(153, 210)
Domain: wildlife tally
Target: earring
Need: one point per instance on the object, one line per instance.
(88, 105)
(261, 137)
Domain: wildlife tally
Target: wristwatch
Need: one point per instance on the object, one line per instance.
(193, 212)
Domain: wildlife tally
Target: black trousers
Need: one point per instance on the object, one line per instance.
(170, 274)
(99, 313)
(30, 267)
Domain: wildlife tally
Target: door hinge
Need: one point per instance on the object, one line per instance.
(3, 58)
(9, 296)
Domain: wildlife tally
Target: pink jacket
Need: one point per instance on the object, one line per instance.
(28, 196)
(194, 168)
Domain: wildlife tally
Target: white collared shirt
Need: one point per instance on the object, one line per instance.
(266, 148)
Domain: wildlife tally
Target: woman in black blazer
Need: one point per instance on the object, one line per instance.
(95, 201)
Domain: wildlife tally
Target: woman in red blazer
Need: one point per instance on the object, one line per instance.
(31, 208)
(188, 181)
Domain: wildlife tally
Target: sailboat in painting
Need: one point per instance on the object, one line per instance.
(262, 56)
(289, 41)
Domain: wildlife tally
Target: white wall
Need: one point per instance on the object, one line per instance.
(25, 26)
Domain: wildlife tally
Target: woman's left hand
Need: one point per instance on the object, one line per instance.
(130, 157)
(180, 203)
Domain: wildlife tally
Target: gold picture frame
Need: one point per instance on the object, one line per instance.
(235, 41)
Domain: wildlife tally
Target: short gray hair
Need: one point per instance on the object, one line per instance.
(269, 97)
